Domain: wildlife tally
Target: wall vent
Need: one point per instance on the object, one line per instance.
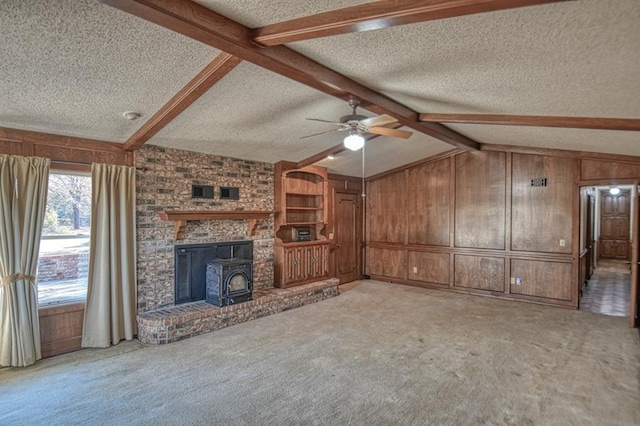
(229, 193)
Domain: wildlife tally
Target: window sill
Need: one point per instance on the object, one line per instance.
(60, 308)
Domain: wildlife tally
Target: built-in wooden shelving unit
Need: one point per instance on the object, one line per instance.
(301, 203)
(181, 217)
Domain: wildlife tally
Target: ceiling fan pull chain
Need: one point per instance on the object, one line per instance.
(363, 189)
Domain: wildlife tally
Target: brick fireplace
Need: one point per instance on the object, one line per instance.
(163, 182)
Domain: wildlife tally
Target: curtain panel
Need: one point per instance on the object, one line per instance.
(110, 313)
(23, 198)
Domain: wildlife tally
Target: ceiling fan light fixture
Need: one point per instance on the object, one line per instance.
(354, 142)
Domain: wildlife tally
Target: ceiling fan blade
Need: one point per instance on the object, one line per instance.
(321, 133)
(323, 121)
(396, 133)
(380, 120)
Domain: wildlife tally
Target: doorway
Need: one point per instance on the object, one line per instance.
(606, 249)
(347, 244)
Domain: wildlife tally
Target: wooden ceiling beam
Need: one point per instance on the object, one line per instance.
(199, 23)
(377, 15)
(629, 124)
(198, 86)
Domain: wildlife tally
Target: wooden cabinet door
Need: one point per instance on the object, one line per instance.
(313, 264)
(323, 260)
(295, 266)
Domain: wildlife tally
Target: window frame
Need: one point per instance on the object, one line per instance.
(76, 169)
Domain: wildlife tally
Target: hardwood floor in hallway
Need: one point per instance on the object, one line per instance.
(608, 291)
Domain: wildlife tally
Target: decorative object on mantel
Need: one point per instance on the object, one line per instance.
(181, 217)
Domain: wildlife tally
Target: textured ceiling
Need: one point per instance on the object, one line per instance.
(72, 67)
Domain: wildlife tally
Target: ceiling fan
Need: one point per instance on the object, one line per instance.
(358, 125)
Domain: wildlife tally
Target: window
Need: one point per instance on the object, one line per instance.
(63, 264)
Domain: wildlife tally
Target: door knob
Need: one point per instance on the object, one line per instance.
(337, 245)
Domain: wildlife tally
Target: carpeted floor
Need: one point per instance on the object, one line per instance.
(377, 354)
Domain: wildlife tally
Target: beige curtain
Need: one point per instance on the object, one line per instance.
(110, 313)
(23, 198)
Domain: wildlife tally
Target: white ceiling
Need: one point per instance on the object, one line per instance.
(72, 67)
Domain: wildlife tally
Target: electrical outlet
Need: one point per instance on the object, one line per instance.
(513, 280)
(415, 269)
(331, 235)
(518, 281)
(562, 242)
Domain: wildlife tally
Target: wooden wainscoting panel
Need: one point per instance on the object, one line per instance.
(61, 329)
(480, 200)
(428, 203)
(75, 155)
(479, 272)
(599, 170)
(386, 209)
(387, 262)
(429, 267)
(542, 215)
(11, 148)
(551, 280)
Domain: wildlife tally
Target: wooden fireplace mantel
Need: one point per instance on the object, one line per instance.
(181, 217)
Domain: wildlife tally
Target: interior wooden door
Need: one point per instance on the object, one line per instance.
(589, 228)
(634, 305)
(347, 222)
(614, 225)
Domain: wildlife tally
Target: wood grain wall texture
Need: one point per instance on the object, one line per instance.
(542, 215)
(474, 223)
(68, 151)
(387, 262)
(480, 200)
(480, 272)
(545, 279)
(386, 212)
(428, 204)
(429, 267)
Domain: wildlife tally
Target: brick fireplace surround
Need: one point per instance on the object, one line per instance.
(169, 325)
(163, 182)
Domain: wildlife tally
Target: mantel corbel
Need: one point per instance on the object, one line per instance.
(181, 217)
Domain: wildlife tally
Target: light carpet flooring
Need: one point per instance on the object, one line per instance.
(379, 354)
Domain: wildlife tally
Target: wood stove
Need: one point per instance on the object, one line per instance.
(229, 281)
(191, 262)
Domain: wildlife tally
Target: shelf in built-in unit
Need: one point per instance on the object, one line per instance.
(305, 208)
(304, 223)
(311, 194)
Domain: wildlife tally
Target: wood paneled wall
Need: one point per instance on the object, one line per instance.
(62, 149)
(480, 200)
(428, 207)
(474, 223)
(61, 328)
(542, 215)
(388, 224)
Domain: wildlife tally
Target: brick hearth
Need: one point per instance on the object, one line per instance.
(175, 323)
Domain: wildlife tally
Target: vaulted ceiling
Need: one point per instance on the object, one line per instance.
(72, 67)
